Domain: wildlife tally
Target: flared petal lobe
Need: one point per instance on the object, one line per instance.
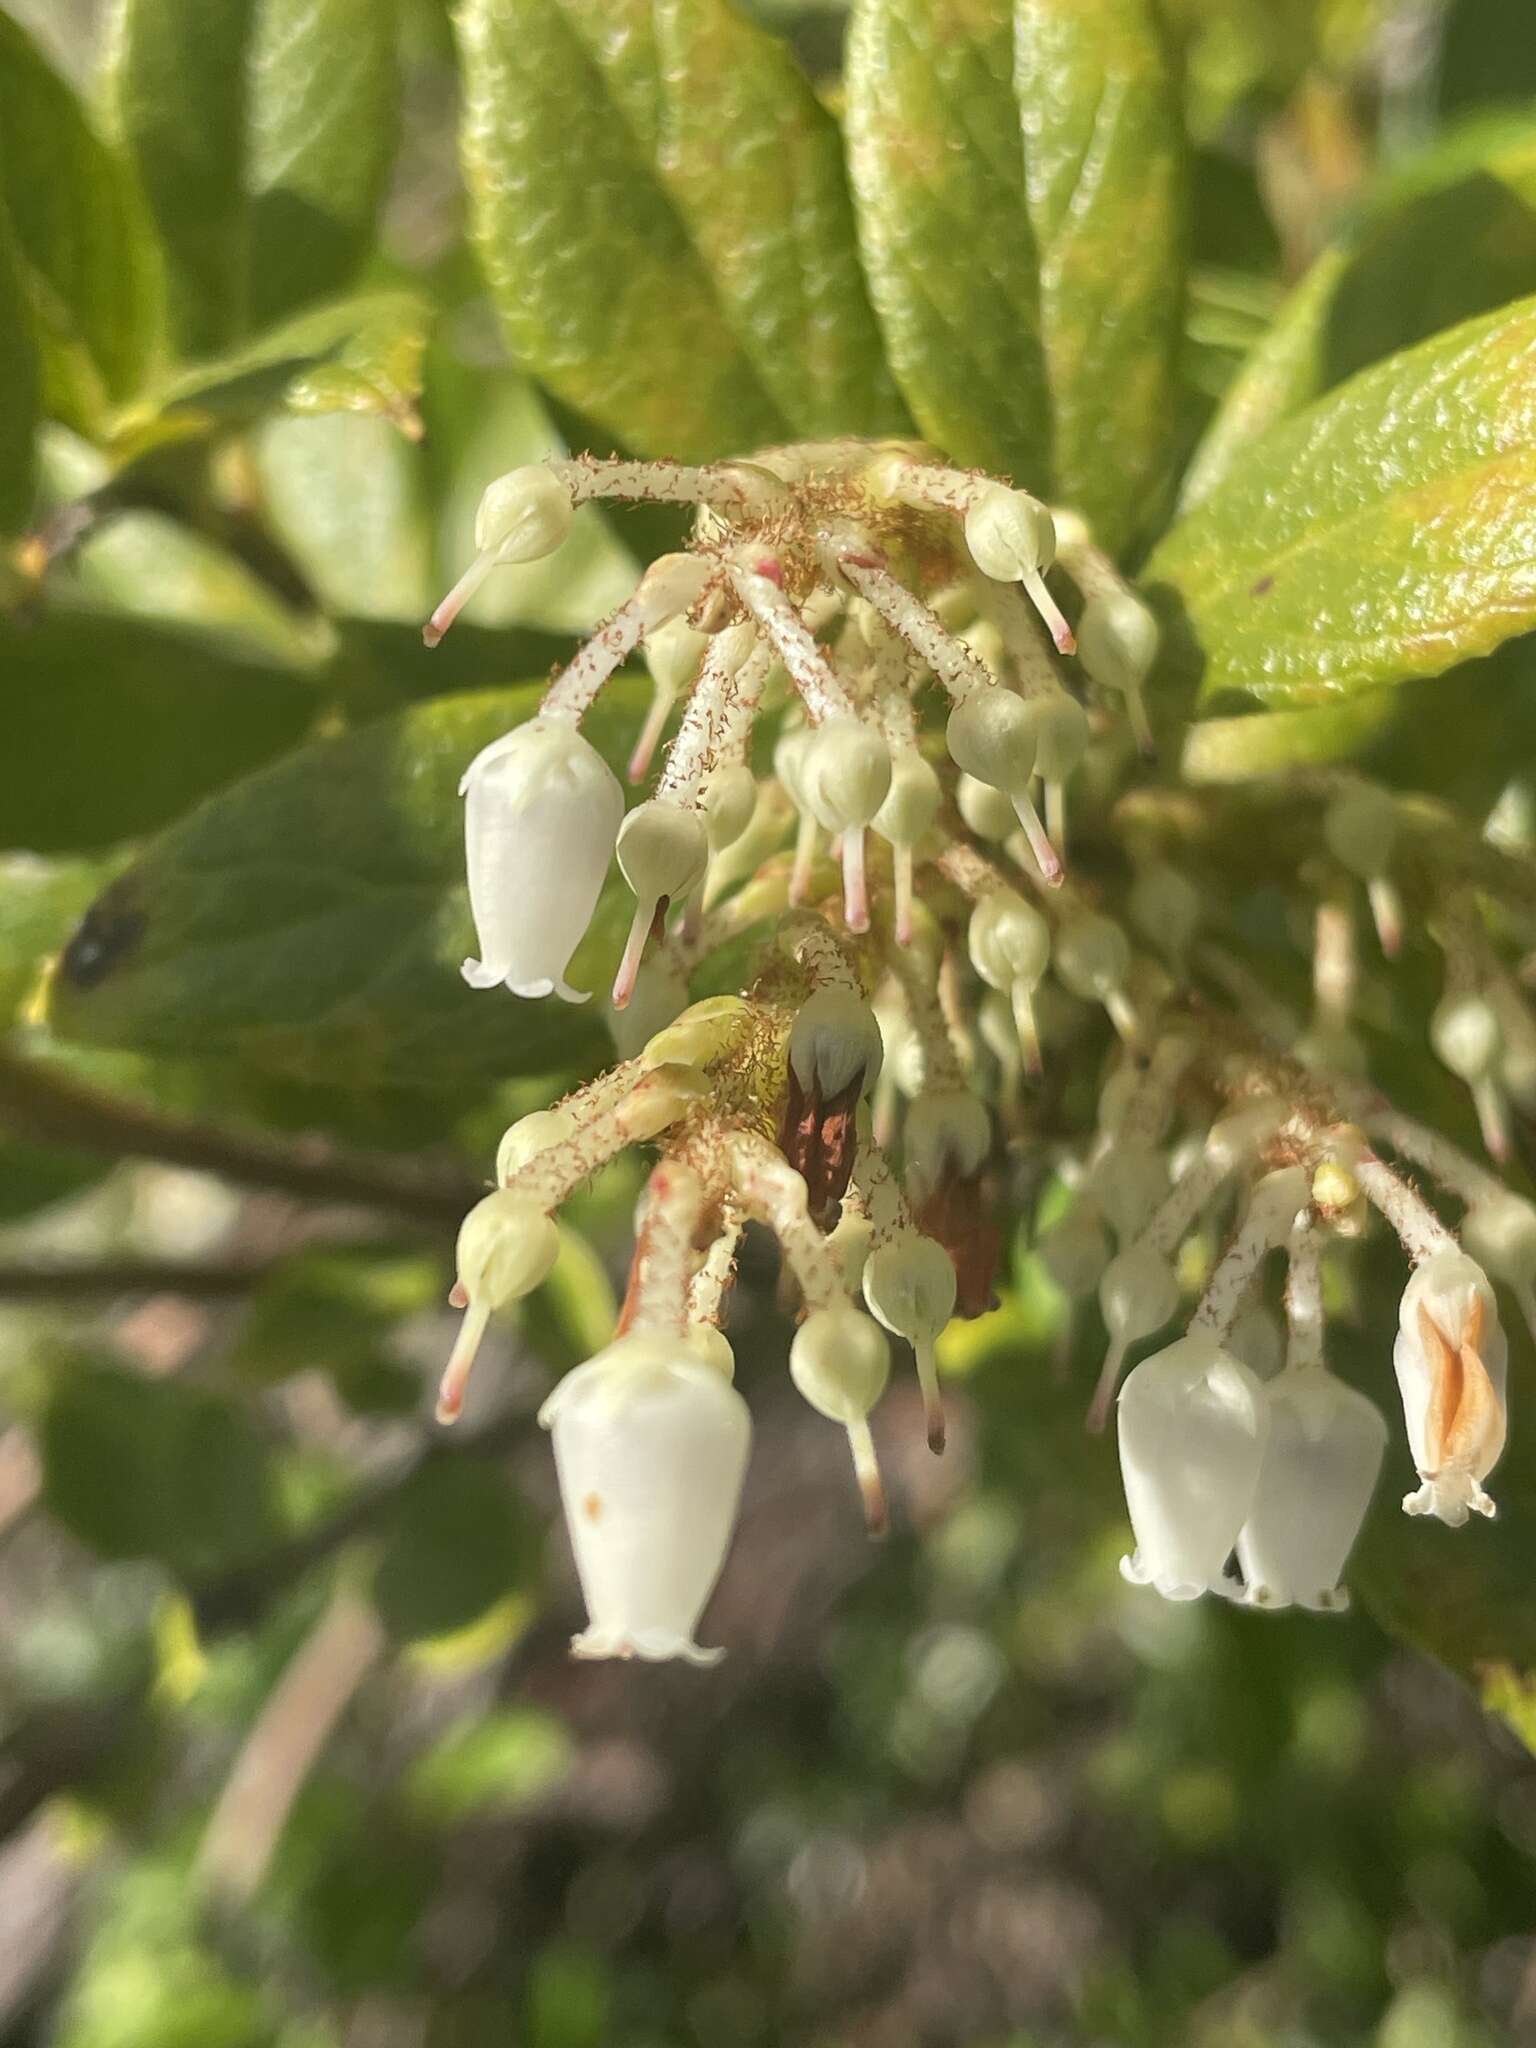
(541, 813)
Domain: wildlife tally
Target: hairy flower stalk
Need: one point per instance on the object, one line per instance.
(877, 719)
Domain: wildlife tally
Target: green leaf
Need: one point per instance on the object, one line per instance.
(359, 353)
(40, 903)
(1388, 532)
(21, 383)
(1445, 237)
(80, 232)
(263, 132)
(312, 921)
(1105, 184)
(595, 273)
(936, 147)
(490, 1763)
(114, 726)
(336, 1312)
(346, 495)
(146, 1468)
(458, 1543)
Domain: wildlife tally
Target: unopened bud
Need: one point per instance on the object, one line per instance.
(1010, 534)
(1092, 955)
(1009, 942)
(909, 1284)
(912, 802)
(506, 1248)
(1061, 733)
(1464, 1031)
(1500, 1230)
(1166, 908)
(673, 652)
(666, 1093)
(523, 515)
(1117, 640)
(523, 1141)
(704, 1032)
(840, 1362)
(992, 736)
(947, 1135)
(987, 811)
(728, 798)
(672, 585)
(663, 850)
(845, 773)
(834, 1043)
(1360, 827)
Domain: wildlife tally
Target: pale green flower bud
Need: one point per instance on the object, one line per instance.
(1009, 942)
(986, 810)
(1092, 955)
(1117, 640)
(1166, 908)
(506, 1248)
(523, 515)
(673, 652)
(728, 798)
(523, 1141)
(663, 851)
(845, 773)
(1464, 1031)
(672, 585)
(1360, 827)
(840, 1361)
(992, 736)
(910, 1286)
(1010, 534)
(912, 802)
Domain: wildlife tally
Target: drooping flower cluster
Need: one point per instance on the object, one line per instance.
(922, 956)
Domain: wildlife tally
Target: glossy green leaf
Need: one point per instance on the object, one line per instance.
(40, 903)
(346, 494)
(114, 726)
(603, 283)
(21, 382)
(1105, 184)
(1388, 532)
(262, 131)
(313, 920)
(146, 1468)
(1444, 237)
(936, 146)
(83, 242)
(458, 1542)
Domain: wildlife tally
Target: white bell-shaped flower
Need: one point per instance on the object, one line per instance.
(651, 1444)
(1192, 1428)
(541, 814)
(1451, 1359)
(1321, 1461)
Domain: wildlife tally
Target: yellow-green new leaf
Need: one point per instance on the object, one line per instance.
(1387, 532)
(936, 147)
(660, 208)
(1104, 181)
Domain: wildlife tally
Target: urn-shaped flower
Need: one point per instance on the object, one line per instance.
(1321, 1460)
(651, 1446)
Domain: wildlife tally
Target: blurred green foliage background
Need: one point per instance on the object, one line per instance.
(290, 1749)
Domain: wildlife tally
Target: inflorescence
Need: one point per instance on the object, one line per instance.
(922, 954)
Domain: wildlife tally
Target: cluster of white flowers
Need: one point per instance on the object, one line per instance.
(858, 1096)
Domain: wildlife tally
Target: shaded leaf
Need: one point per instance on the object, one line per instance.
(79, 230)
(600, 286)
(21, 382)
(1388, 532)
(40, 903)
(312, 921)
(146, 1468)
(114, 726)
(1448, 235)
(936, 147)
(346, 496)
(458, 1542)
(262, 131)
(1105, 184)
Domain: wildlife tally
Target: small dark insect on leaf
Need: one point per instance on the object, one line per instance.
(1264, 585)
(107, 932)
